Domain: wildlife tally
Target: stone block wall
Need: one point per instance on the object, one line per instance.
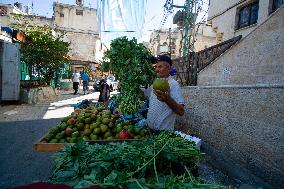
(66, 84)
(242, 127)
(36, 95)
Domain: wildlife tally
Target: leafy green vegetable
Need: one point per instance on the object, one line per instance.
(131, 65)
(139, 164)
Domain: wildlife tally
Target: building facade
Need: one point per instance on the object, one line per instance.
(203, 37)
(164, 42)
(76, 24)
(232, 18)
(170, 41)
(6, 9)
(80, 27)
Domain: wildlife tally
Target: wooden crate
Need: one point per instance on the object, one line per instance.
(53, 147)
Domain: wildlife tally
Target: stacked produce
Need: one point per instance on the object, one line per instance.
(93, 123)
(152, 163)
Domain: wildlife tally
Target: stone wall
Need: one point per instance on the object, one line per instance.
(36, 95)
(242, 127)
(75, 18)
(82, 46)
(256, 59)
(81, 30)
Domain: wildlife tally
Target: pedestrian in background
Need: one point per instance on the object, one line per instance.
(104, 91)
(76, 81)
(85, 78)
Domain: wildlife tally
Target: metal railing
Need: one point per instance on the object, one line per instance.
(189, 66)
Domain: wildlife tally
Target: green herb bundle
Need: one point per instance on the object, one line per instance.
(131, 65)
(140, 164)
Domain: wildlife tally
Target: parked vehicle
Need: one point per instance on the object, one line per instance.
(113, 84)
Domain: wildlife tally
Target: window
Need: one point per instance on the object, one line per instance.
(3, 10)
(247, 15)
(79, 12)
(276, 4)
(79, 2)
(61, 15)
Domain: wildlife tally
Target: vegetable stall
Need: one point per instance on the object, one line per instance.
(100, 146)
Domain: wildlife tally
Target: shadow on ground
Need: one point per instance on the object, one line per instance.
(19, 163)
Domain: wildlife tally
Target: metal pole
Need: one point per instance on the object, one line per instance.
(170, 41)
(186, 28)
(159, 46)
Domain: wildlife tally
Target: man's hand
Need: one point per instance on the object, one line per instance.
(166, 97)
(162, 96)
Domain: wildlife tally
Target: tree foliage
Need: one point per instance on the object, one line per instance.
(44, 52)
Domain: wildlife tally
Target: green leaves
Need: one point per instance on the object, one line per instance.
(128, 165)
(45, 53)
(129, 61)
(111, 178)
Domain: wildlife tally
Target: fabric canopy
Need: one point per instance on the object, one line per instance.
(119, 18)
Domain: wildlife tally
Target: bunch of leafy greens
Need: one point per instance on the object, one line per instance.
(131, 64)
(141, 164)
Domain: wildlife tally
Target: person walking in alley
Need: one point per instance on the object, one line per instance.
(76, 81)
(85, 78)
(164, 106)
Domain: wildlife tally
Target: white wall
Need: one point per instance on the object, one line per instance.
(242, 127)
(216, 6)
(70, 21)
(226, 21)
(81, 31)
(256, 59)
(83, 46)
(205, 37)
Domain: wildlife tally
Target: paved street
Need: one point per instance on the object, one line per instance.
(59, 107)
(19, 163)
(20, 127)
